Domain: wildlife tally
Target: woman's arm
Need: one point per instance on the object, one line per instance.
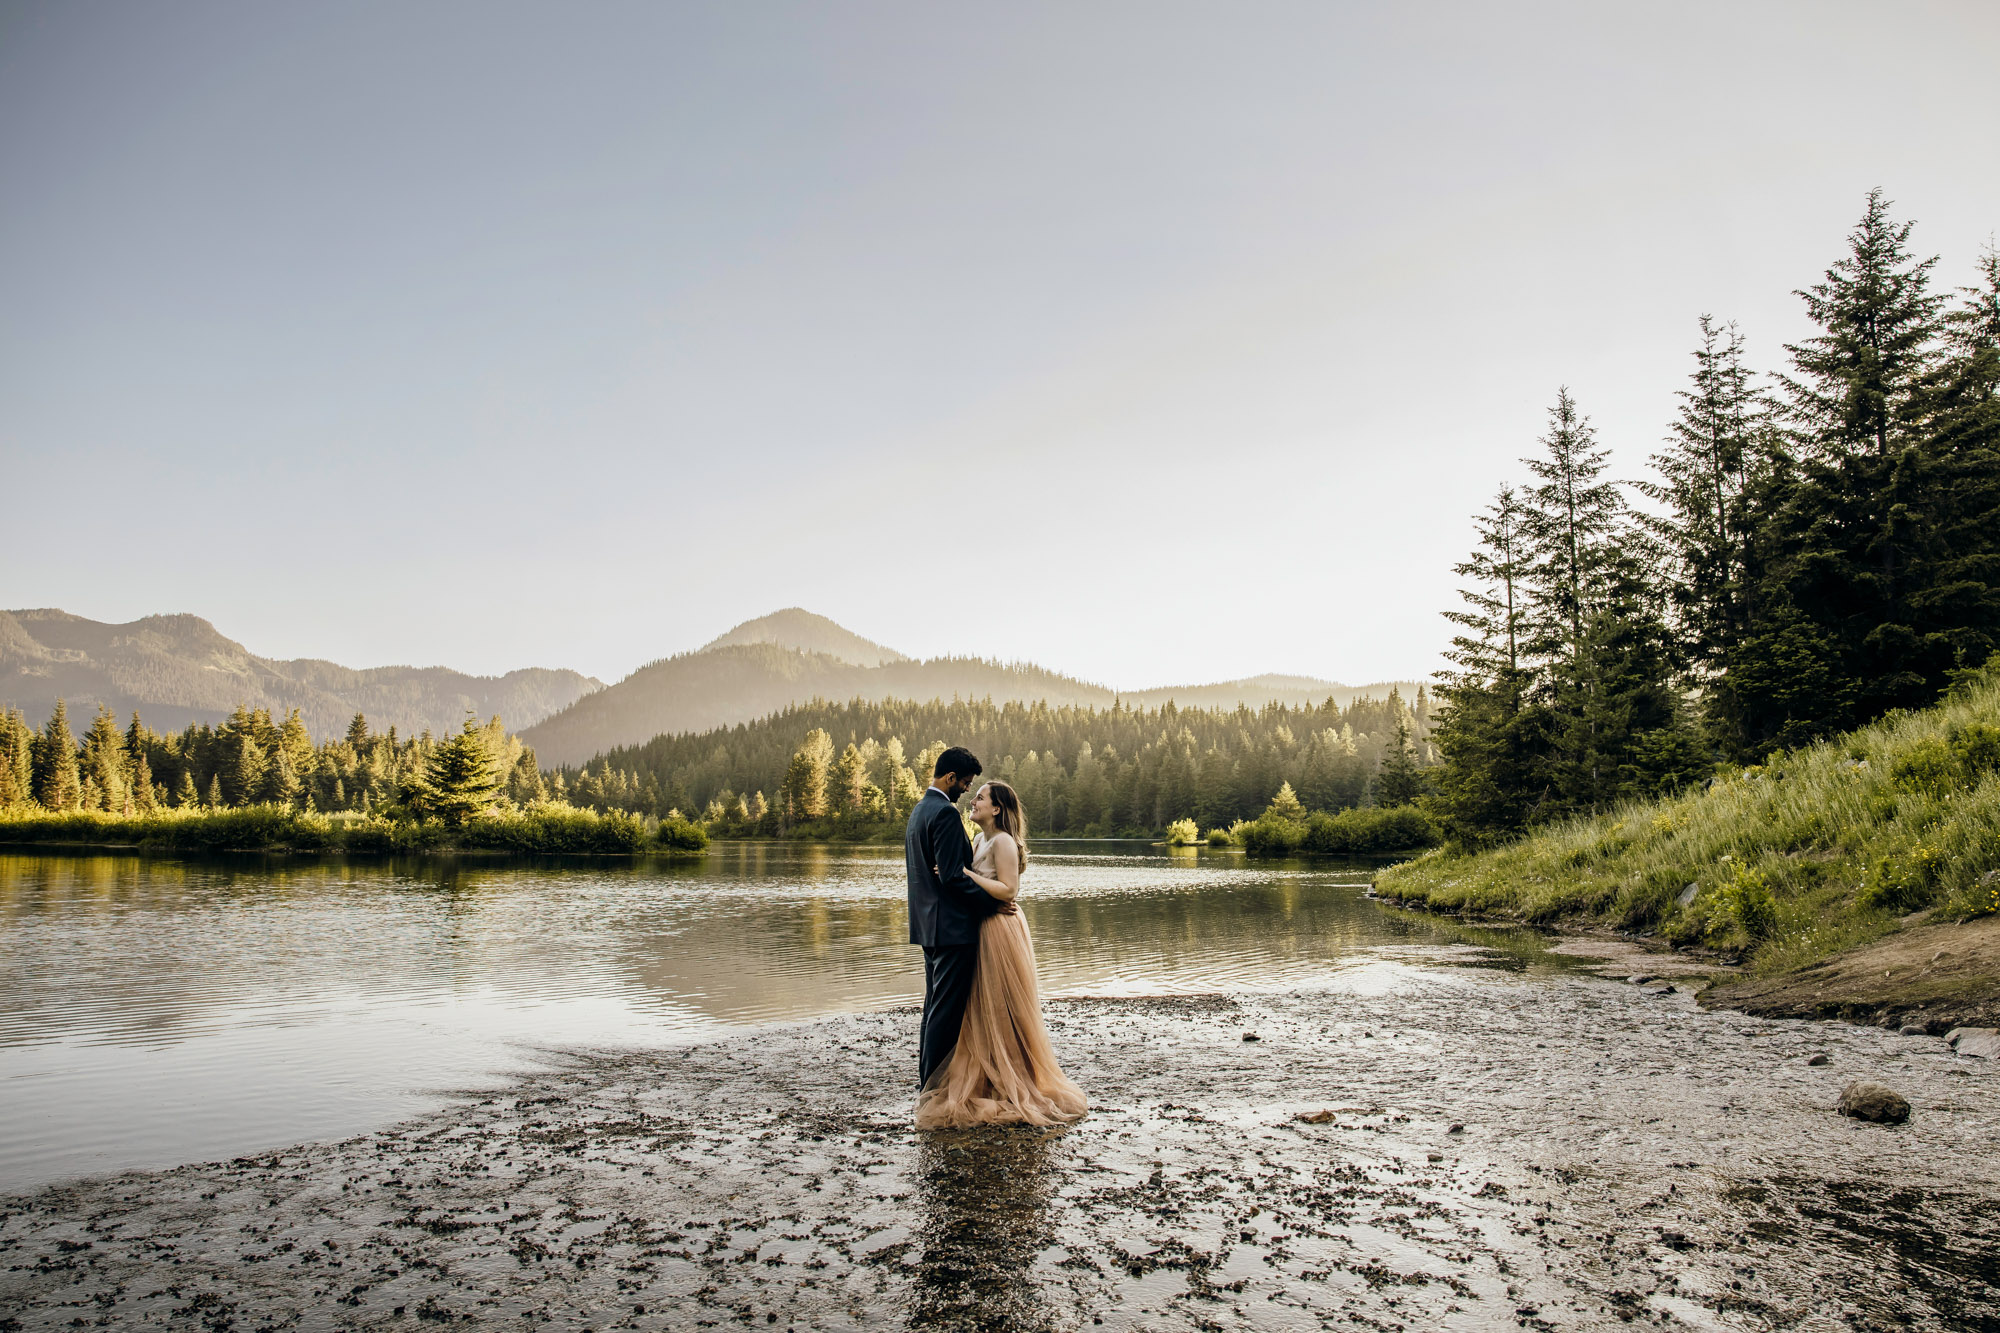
(1007, 866)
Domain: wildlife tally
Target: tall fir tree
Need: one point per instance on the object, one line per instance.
(57, 785)
(103, 762)
(1855, 534)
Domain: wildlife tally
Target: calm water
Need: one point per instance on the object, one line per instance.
(155, 1012)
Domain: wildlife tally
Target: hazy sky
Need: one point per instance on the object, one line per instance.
(1151, 342)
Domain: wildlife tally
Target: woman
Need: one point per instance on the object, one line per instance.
(1003, 1070)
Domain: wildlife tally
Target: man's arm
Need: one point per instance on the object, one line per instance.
(954, 859)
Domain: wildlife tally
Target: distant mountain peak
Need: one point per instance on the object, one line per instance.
(801, 630)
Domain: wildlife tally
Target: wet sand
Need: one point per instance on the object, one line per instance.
(1485, 1150)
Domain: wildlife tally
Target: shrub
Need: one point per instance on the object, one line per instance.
(1271, 835)
(1905, 883)
(1183, 833)
(1748, 896)
(681, 835)
(1219, 837)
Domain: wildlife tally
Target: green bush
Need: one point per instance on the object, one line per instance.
(1219, 837)
(682, 835)
(1183, 833)
(1270, 835)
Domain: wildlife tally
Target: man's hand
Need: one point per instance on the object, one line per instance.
(1008, 909)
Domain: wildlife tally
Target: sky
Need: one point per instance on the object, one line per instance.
(1155, 343)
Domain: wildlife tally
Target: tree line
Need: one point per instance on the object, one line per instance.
(1814, 548)
(830, 767)
(250, 759)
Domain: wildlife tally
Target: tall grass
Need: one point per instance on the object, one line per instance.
(1788, 862)
(537, 829)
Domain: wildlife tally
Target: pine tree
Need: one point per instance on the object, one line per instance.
(16, 758)
(357, 733)
(803, 794)
(185, 795)
(1571, 523)
(103, 762)
(1398, 782)
(1286, 804)
(458, 782)
(243, 767)
(214, 800)
(54, 772)
(848, 782)
(524, 780)
(1721, 456)
(1855, 533)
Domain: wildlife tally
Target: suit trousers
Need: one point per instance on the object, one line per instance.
(948, 974)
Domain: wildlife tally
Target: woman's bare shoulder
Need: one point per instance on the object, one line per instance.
(1002, 838)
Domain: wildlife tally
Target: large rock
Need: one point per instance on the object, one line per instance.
(1982, 1042)
(1874, 1101)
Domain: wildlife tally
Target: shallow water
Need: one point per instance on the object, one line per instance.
(154, 1012)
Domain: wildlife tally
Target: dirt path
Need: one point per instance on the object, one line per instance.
(1936, 977)
(1623, 1158)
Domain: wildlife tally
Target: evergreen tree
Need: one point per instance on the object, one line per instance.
(1856, 532)
(185, 795)
(1286, 804)
(524, 780)
(357, 733)
(17, 740)
(803, 793)
(214, 799)
(1721, 457)
(848, 783)
(54, 772)
(458, 782)
(243, 768)
(103, 762)
(1398, 782)
(1571, 525)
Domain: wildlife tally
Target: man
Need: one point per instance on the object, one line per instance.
(946, 905)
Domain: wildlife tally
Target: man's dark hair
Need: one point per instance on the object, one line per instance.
(958, 760)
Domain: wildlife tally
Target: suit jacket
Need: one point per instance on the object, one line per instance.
(947, 906)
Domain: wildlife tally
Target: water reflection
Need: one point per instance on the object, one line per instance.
(983, 1200)
(327, 995)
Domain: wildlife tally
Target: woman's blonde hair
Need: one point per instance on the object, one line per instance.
(1009, 816)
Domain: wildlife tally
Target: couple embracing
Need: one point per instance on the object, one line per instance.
(984, 1056)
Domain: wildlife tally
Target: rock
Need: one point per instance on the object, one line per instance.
(1819, 1059)
(1250, 1036)
(1913, 1030)
(1981, 1042)
(1660, 990)
(1315, 1117)
(1456, 1129)
(1435, 1157)
(1687, 895)
(1640, 978)
(1874, 1101)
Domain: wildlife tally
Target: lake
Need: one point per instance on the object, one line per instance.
(157, 1011)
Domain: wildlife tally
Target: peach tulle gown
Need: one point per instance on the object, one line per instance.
(1003, 1070)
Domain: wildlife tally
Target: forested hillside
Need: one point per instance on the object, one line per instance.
(1078, 769)
(179, 669)
(1815, 548)
(794, 658)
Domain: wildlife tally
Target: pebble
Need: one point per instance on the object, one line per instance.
(1250, 1036)
(1640, 978)
(1456, 1129)
(1874, 1101)
(1819, 1059)
(1913, 1030)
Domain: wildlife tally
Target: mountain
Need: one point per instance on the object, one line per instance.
(179, 669)
(808, 633)
(766, 665)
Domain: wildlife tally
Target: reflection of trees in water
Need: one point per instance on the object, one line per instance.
(983, 1196)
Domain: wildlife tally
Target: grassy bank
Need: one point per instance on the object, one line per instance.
(539, 829)
(1818, 852)
(1359, 832)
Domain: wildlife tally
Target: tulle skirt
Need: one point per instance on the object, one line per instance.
(1003, 1070)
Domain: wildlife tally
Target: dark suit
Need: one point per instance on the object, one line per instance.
(946, 907)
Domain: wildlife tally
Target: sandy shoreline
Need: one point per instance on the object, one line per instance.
(1624, 1157)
